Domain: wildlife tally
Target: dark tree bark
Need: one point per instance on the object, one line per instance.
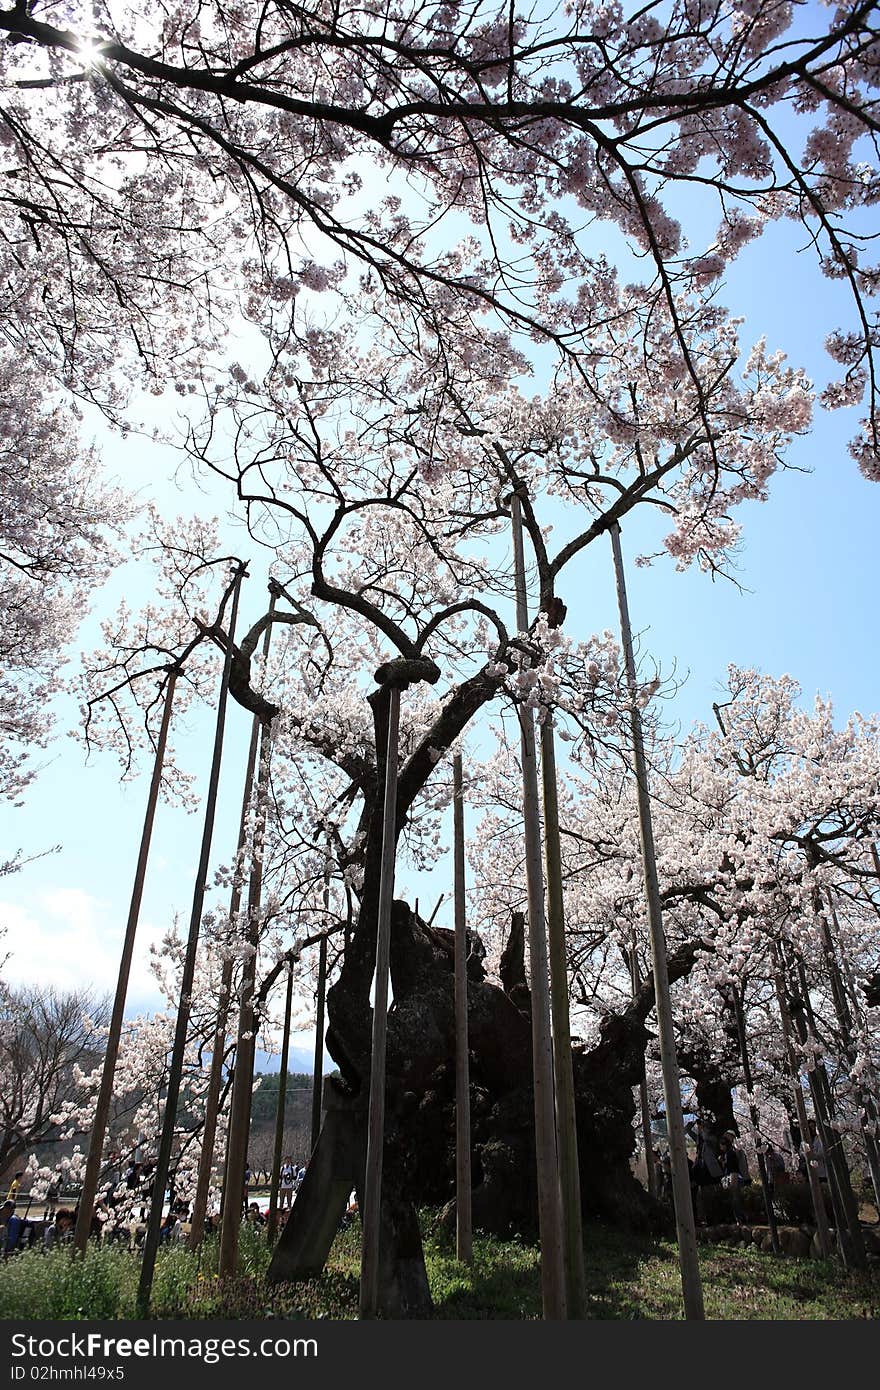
(714, 1081)
(420, 1116)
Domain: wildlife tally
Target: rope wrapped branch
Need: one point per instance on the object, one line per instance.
(404, 671)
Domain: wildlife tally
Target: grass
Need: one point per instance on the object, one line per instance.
(628, 1276)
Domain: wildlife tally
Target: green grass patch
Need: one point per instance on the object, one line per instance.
(628, 1276)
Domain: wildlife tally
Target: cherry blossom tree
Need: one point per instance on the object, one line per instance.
(235, 146)
(380, 485)
(58, 524)
(741, 815)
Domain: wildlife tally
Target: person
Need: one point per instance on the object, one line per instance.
(53, 1193)
(60, 1231)
(707, 1170)
(11, 1227)
(248, 1175)
(817, 1153)
(254, 1215)
(169, 1231)
(775, 1165)
(351, 1210)
(734, 1172)
(102, 1220)
(664, 1168)
(286, 1184)
(298, 1180)
(12, 1194)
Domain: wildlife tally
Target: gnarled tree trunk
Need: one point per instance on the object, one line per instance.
(420, 1116)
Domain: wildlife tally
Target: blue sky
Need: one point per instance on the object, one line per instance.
(808, 567)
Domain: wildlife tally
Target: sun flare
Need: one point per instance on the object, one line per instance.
(89, 52)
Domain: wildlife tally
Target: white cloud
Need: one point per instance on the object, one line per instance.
(69, 939)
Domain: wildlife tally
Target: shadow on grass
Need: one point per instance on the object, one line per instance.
(760, 1285)
(629, 1275)
(505, 1278)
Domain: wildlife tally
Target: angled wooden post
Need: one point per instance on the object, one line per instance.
(280, 1107)
(166, 1142)
(849, 1231)
(215, 1076)
(549, 1194)
(691, 1284)
(114, 1035)
(318, 1071)
(463, 1219)
(238, 1134)
(644, 1108)
(566, 1120)
(737, 1000)
(823, 1235)
(868, 1123)
(369, 1286)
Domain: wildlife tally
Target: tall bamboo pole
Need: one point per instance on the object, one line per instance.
(463, 1220)
(566, 1122)
(753, 1116)
(238, 1133)
(318, 1069)
(246, 1042)
(841, 1222)
(549, 1193)
(804, 1023)
(318, 1073)
(369, 1283)
(842, 1195)
(272, 1221)
(114, 1035)
(823, 1234)
(644, 1107)
(175, 1074)
(692, 1289)
(215, 1077)
(845, 1022)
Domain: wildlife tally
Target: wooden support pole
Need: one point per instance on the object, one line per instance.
(753, 1116)
(842, 1195)
(215, 1076)
(238, 1135)
(566, 1121)
(318, 1073)
(691, 1284)
(823, 1234)
(644, 1107)
(246, 1041)
(175, 1074)
(845, 1023)
(114, 1035)
(280, 1107)
(318, 1069)
(549, 1193)
(463, 1220)
(369, 1282)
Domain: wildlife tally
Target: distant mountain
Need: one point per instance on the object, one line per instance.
(301, 1059)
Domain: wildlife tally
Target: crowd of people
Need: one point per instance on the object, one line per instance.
(720, 1161)
(122, 1209)
(120, 1214)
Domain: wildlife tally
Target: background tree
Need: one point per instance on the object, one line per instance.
(47, 1041)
